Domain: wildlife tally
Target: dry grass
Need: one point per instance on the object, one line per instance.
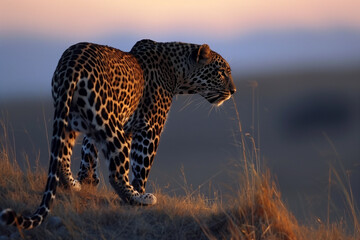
(99, 214)
(253, 211)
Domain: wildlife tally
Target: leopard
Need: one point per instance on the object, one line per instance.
(119, 102)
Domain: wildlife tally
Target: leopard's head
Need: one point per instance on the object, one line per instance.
(210, 75)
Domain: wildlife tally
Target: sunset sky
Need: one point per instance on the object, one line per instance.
(253, 35)
(219, 19)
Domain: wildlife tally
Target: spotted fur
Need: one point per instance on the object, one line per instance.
(120, 101)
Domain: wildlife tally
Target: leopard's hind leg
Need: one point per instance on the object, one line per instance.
(89, 163)
(65, 175)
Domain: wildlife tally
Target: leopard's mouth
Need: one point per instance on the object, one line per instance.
(219, 98)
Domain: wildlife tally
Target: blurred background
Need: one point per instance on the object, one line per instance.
(296, 65)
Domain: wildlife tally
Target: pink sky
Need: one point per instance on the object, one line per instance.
(226, 18)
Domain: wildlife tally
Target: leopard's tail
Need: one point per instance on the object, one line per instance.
(62, 103)
(10, 217)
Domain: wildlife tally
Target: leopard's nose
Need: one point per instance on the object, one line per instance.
(231, 86)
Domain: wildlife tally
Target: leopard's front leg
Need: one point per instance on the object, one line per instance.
(143, 150)
(116, 150)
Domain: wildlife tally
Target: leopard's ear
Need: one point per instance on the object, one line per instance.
(202, 54)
